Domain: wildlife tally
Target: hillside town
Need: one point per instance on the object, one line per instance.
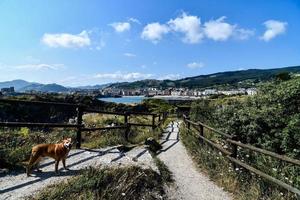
(150, 92)
(175, 92)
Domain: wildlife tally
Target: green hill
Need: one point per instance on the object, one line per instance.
(45, 88)
(231, 78)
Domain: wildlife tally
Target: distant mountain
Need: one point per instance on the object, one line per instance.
(18, 84)
(211, 80)
(22, 86)
(44, 88)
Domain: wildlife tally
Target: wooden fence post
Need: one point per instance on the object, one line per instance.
(234, 150)
(125, 118)
(127, 131)
(188, 123)
(79, 124)
(201, 131)
(153, 121)
(159, 117)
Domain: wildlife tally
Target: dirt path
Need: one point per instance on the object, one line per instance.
(190, 184)
(18, 185)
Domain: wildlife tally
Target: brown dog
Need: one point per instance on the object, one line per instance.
(56, 151)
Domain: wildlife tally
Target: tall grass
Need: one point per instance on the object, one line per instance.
(131, 182)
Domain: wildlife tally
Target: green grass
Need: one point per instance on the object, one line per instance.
(244, 185)
(109, 184)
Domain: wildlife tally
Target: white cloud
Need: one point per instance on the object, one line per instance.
(40, 66)
(243, 34)
(274, 28)
(143, 66)
(134, 20)
(154, 32)
(129, 55)
(121, 26)
(67, 40)
(189, 25)
(218, 30)
(195, 65)
(192, 29)
(119, 76)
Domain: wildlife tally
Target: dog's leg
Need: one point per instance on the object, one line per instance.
(33, 158)
(64, 163)
(56, 166)
(37, 164)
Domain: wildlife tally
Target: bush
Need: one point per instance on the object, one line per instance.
(269, 120)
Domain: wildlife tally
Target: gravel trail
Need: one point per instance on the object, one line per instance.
(18, 185)
(190, 184)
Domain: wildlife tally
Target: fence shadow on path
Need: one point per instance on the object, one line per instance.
(171, 139)
(49, 174)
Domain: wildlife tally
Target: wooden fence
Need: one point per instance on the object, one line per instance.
(80, 111)
(233, 154)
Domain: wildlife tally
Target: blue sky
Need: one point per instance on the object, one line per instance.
(83, 42)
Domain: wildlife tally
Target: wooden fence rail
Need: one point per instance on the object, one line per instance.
(263, 151)
(31, 125)
(232, 156)
(14, 101)
(80, 110)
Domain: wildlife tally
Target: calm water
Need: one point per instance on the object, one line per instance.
(125, 99)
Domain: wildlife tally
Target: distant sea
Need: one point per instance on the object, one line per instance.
(124, 99)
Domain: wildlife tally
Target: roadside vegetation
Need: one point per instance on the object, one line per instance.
(110, 184)
(269, 120)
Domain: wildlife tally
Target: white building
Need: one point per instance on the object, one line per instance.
(251, 91)
(210, 92)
